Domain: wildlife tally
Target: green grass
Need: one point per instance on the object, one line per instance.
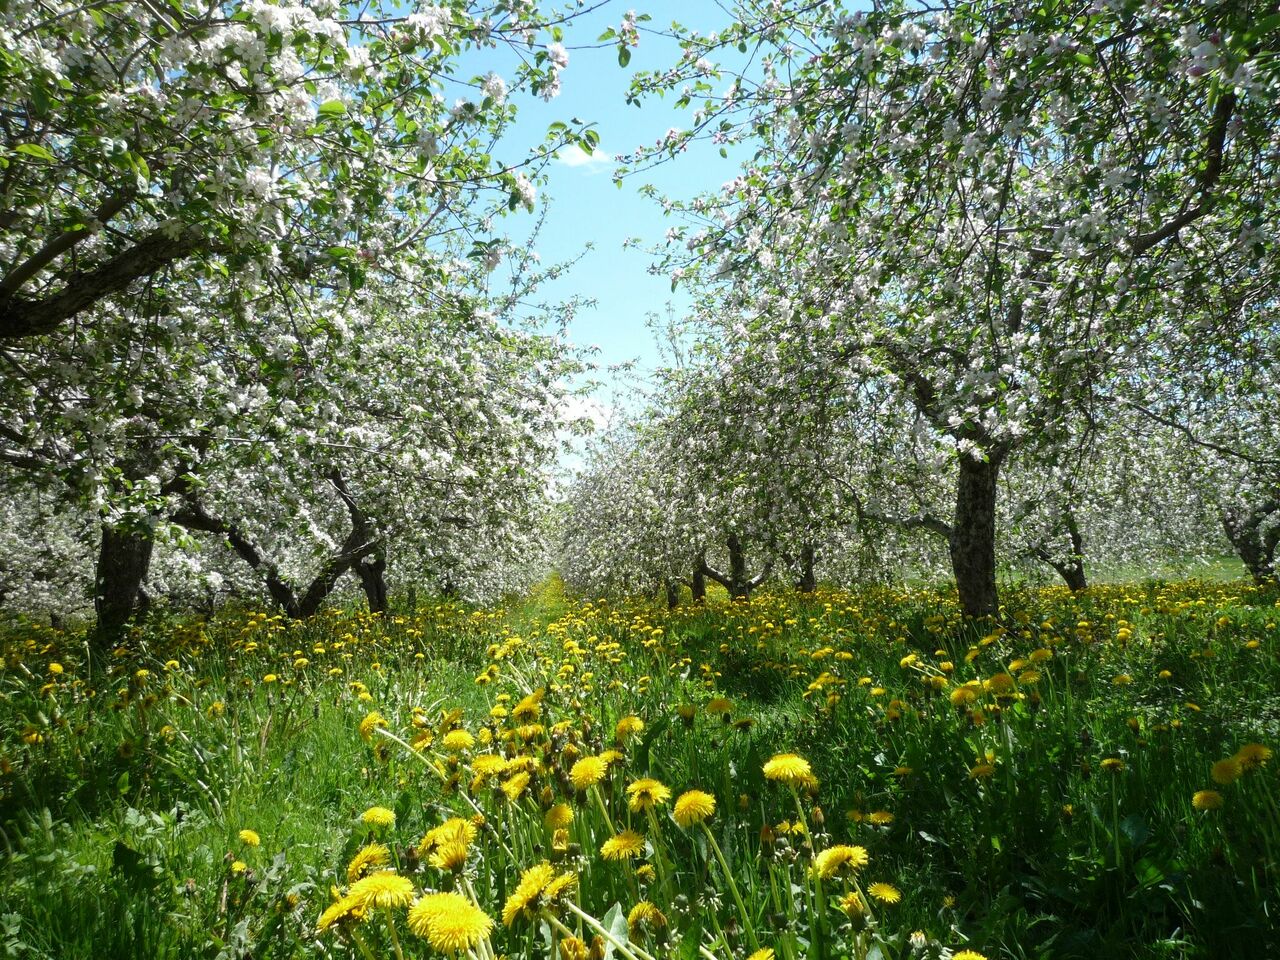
(124, 793)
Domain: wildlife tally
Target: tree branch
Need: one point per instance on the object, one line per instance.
(23, 317)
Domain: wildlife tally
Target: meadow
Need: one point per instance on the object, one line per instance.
(840, 774)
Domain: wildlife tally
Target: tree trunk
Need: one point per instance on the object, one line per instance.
(673, 594)
(738, 586)
(973, 535)
(123, 561)
(1255, 534)
(1071, 569)
(372, 573)
(698, 582)
(808, 581)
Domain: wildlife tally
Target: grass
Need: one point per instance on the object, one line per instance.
(1035, 789)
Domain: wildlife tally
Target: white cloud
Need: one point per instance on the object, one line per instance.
(574, 157)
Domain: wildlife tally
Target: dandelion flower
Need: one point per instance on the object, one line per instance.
(587, 772)
(449, 922)
(455, 741)
(647, 793)
(625, 846)
(368, 859)
(851, 903)
(525, 896)
(250, 838)
(885, 892)
(1252, 755)
(513, 787)
(791, 769)
(881, 818)
(644, 915)
(841, 857)
(383, 889)
(1206, 800)
(342, 910)
(379, 817)
(981, 771)
(370, 723)
(1113, 765)
(558, 817)
(764, 953)
(967, 955)
(449, 857)
(1226, 771)
(693, 806)
(627, 728)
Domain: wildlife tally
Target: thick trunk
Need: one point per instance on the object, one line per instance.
(973, 536)
(372, 573)
(738, 585)
(673, 594)
(698, 582)
(808, 581)
(123, 561)
(1255, 534)
(1073, 575)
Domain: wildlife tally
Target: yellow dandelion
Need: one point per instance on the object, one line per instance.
(524, 898)
(449, 922)
(1226, 771)
(981, 771)
(488, 765)
(515, 786)
(1206, 800)
(627, 728)
(851, 903)
(645, 916)
(558, 817)
(885, 892)
(558, 887)
(450, 857)
(344, 909)
(967, 955)
(250, 838)
(791, 769)
(368, 859)
(379, 817)
(455, 741)
(624, 846)
(383, 889)
(693, 806)
(881, 818)
(764, 953)
(1112, 765)
(647, 793)
(588, 772)
(841, 857)
(370, 723)
(1253, 755)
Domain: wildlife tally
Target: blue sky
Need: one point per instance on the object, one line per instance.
(586, 206)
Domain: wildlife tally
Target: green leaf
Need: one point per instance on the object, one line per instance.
(624, 56)
(332, 108)
(35, 150)
(615, 921)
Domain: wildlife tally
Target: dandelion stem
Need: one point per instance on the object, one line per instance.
(733, 887)
(391, 929)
